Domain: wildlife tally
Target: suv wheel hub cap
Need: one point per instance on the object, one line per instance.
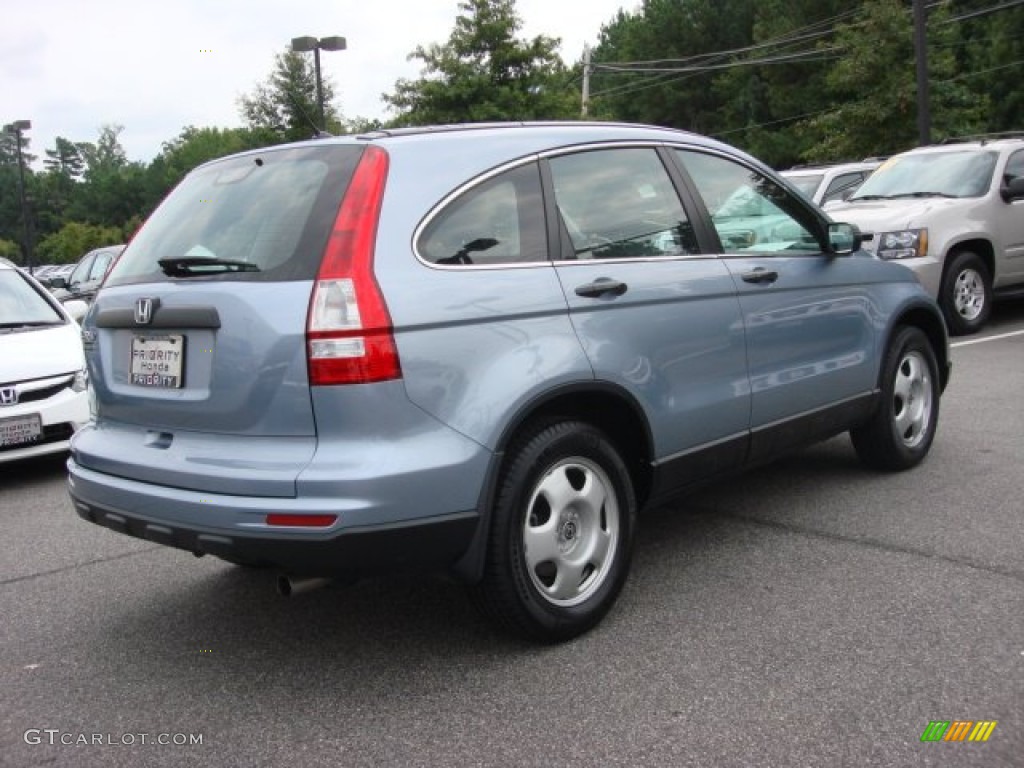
(969, 294)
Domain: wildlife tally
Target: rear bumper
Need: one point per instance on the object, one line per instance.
(424, 543)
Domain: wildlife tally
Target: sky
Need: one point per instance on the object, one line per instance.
(72, 66)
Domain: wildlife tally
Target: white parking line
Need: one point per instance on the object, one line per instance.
(987, 338)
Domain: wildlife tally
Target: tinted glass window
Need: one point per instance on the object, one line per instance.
(807, 184)
(941, 174)
(81, 272)
(620, 203)
(842, 186)
(101, 265)
(1014, 166)
(500, 221)
(271, 212)
(21, 304)
(749, 211)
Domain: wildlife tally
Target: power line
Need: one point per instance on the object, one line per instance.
(813, 54)
(985, 11)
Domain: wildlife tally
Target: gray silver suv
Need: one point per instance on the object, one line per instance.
(954, 213)
(481, 350)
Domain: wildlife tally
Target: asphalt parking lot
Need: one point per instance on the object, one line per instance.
(810, 613)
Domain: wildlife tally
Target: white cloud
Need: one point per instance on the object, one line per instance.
(71, 67)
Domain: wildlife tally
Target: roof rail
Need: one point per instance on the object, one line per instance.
(983, 137)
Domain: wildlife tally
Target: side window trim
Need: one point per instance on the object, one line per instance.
(707, 237)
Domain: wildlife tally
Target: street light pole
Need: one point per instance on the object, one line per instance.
(306, 44)
(15, 129)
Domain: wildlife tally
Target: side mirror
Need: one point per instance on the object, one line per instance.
(844, 239)
(58, 282)
(76, 308)
(1012, 189)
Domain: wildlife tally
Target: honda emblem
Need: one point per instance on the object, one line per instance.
(144, 309)
(8, 396)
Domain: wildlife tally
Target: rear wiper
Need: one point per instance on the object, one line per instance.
(187, 266)
(35, 324)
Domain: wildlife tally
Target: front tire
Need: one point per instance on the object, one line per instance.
(561, 534)
(900, 433)
(966, 296)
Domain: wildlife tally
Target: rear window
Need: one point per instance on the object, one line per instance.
(260, 216)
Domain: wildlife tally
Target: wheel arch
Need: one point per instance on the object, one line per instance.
(607, 407)
(980, 246)
(934, 327)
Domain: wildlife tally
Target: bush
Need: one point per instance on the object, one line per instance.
(74, 240)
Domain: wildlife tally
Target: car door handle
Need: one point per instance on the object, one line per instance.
(600, 287)
(761, 276)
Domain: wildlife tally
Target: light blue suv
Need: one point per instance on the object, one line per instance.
(481, 350)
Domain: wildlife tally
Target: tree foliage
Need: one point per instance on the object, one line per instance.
(787, 80)
(484, 72)
(73, 240)
(285, 107)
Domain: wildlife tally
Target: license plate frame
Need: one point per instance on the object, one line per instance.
(13, 429)
(157, 362)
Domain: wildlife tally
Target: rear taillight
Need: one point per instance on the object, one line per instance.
(348, 333)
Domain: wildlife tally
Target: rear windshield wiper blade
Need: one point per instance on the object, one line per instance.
(188, 266)
(30, 324)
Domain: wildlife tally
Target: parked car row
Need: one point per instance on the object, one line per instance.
(828, 183)
(82, 279)
(43, 377)
(953, 213)
(481, 350)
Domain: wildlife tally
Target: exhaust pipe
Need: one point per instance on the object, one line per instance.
(290, 585)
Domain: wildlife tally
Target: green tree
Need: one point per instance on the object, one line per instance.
(65, 158)
(284, 107)
(113, 189)
(484, 72)
(10, 250)
(991, 59)
(874, 89)
(193, 147)
(762, 102)
(658, 64)
(74, 240)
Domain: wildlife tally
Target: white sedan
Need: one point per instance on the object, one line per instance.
(43, 378)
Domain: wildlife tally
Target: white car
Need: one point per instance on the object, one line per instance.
(43, 379)
(953, 213)
(827, 183)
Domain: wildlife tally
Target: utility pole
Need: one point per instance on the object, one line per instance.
(924, 120)
(586, 80)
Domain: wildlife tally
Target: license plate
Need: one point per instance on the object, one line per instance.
(158, 361)
(20, 429)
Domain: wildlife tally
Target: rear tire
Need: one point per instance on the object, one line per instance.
(561, 534)
(900, 433)
(966, 295)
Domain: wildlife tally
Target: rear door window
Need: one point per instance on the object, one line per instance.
(269, 214)
(620, 203)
